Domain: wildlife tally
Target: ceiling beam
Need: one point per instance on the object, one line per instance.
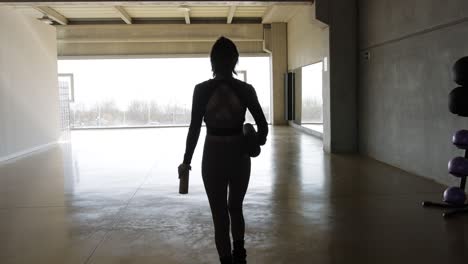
(187, 15)
(159, 33)
(268, 13)
(152, 2)
(123, 14)
(151, 40)
(52, 14)
(293, 13)
(232, 11)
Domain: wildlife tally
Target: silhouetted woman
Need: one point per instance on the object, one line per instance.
(222, 102)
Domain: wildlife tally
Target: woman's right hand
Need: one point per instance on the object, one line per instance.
(184, 170)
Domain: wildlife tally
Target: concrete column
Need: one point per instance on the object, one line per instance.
(340, 78)
(298, 96)
(326, 136)
(279, 66)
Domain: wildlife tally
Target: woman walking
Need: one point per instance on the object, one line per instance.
(222, 103)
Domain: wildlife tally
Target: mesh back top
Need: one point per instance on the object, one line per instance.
(224, 109)
(223, 103)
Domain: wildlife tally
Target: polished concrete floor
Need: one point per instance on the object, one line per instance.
(111, 197)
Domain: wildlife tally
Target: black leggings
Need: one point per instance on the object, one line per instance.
(226, 164)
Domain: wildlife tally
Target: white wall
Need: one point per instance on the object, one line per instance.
(306, 36)
(307, 44)
(29, 101)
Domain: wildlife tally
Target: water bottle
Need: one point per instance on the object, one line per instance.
(184, 178)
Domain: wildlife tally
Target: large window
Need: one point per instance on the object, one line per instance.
(312, 105)
(148, 92)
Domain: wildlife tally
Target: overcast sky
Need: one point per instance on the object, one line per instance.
(312, 81)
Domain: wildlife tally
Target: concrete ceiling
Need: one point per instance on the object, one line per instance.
(163, 12)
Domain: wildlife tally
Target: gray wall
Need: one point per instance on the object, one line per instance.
(279, 66)
(403, 115)
(29, 101)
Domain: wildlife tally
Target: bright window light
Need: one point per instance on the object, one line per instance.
(312, 104)
(148, 92)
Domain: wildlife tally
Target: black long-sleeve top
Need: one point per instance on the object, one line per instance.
(212, 98)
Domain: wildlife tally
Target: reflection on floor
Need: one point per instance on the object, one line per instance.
(315, 127)
(111, 197)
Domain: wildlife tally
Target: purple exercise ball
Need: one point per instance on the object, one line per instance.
(454, 195)
(460, 139)
(458, 167)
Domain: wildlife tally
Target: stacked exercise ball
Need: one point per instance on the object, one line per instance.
(458, 104)
(458, 97)
(455, 197)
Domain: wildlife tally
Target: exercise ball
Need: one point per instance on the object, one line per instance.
(460, 139)
(455, 196)
(458, 101)
(251, 139)
(460, 71)
(458, 166)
